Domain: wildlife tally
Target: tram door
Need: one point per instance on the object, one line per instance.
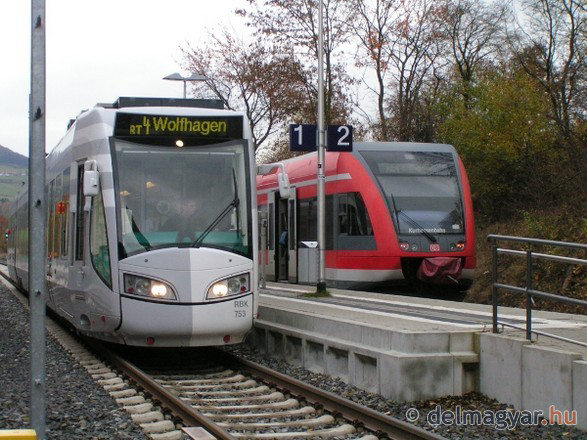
(79, 227)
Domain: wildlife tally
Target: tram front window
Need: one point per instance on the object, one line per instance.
(422, 188)
(181, 197)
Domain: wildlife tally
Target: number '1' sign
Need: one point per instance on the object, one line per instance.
(303, 137)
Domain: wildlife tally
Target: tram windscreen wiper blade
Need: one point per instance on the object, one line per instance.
(139, 235)
(233, 204)
(417, 225)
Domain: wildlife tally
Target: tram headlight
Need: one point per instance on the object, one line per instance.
(142, 286)
(229, 286)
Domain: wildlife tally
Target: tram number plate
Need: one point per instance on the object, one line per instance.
(240, 305)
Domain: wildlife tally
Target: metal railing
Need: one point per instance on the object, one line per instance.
(528, 290)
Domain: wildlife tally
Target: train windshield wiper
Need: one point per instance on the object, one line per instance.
(413, 223)
(233, 204)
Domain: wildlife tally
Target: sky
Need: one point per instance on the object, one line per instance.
(97, 51)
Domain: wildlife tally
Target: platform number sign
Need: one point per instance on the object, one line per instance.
(304, 137)
(340, 138)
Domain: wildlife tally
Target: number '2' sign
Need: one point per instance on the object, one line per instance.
(340, 138)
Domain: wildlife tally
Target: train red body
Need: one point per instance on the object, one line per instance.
(387, 218)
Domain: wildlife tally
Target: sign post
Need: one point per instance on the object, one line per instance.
(37, 249)
(321, 285)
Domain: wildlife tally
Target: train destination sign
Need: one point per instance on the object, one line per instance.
(218, 127)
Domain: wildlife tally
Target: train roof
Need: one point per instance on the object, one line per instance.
(380, 146)
(305, 165)
(402, 146)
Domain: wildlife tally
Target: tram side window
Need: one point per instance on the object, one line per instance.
(80, 214)
(50, 210)
(64, 214)
(99, 240)
(353, 219)
(56, 216)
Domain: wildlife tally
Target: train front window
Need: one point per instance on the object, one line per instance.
(422, 190)
(183, 197)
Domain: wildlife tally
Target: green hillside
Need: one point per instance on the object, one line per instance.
(13, 173)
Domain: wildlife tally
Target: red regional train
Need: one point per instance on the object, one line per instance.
(395, 213)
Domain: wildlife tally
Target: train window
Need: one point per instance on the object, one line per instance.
(271, 232)
(353, 219)
(422, 190)
(99, 250)
(292, 222)
(308, 221)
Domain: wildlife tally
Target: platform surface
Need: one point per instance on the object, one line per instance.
(421, 315)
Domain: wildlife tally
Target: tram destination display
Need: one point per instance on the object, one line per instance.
(215, 127)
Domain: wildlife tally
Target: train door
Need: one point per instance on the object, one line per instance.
(292, 237)
(271, 258)
(282, 238)
(286, 258)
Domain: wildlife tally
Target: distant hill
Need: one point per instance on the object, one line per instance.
(13, 173)
(10, 158)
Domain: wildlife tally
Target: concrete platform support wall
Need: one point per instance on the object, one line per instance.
(530, 377)
(399, 365)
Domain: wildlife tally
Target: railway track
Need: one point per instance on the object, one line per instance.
(232, 398)
(225, 397)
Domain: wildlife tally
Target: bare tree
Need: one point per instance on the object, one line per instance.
(251, 78)
(415, 50)
(372, 27)
(476, 31)
(292, 27)
(552, 49)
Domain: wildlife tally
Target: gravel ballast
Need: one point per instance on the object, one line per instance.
(420, 413)
(76, 407)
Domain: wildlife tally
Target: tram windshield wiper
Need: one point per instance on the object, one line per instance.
(235, 202)
(139, 235)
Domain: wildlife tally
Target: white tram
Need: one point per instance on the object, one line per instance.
(151, 224)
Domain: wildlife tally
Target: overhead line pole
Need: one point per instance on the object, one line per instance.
(321, 286)
(37, 209)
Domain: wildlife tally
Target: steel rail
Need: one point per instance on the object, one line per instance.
(375, 421)
(188, 415)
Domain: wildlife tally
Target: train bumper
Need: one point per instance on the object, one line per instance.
(440, 270)
(445, 271)
(157, 324)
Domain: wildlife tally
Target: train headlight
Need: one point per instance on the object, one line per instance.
(142, 286)
(229, 286)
